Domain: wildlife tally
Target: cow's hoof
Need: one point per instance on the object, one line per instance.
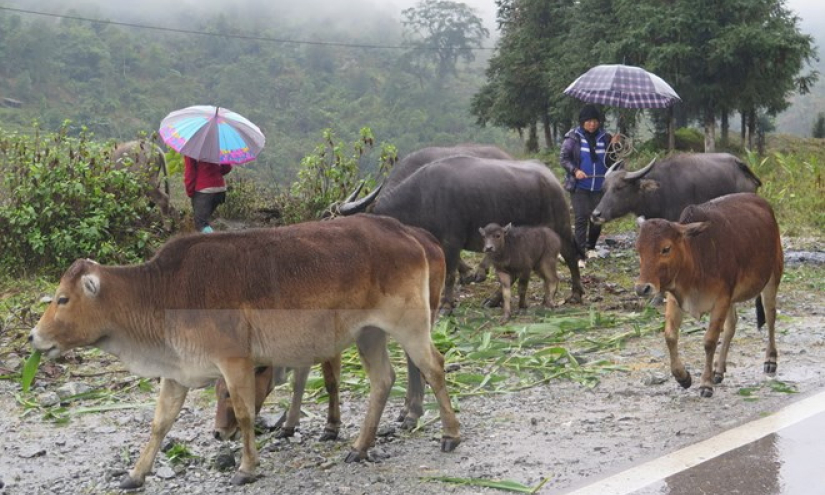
(686, 382)
(408, 423)
(448, 444)
(718, 377)
(329, 436)
(242, 478)
(770, 368)
(285, 432)
(503, 320)
(129, 483)
(354, 456)
(492, 302)
(705, 392)
(574, 299)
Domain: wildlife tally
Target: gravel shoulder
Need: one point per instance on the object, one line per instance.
(560, 431)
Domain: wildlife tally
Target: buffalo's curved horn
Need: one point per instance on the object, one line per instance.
(640, 173)
(360, 206)
(616, 166)
(355, 193)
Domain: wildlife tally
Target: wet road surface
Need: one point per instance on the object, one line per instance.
(781, 454)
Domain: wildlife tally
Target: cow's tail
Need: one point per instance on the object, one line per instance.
(747, 170)
(760, 312)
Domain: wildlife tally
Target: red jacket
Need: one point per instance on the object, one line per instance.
(203, 176)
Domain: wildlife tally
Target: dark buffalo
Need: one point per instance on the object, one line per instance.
(409, 165)
(664, 188)
(147, 161)
(453, 197)
(719, 253)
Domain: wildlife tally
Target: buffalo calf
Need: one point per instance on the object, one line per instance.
(518, 251)
(719, 253)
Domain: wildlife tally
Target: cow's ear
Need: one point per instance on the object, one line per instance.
(695, 228)
(507, 228)
(640, 220)
(648, 185)
(91, 285)
(481, 231)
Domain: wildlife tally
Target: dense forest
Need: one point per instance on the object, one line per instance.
(343, 71)
(296, 69)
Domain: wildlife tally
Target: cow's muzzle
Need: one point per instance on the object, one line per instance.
(644, 290)
(596, 217)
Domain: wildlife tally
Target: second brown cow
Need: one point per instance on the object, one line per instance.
(720, 253)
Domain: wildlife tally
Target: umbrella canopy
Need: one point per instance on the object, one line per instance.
(212, 134)
(622, 86)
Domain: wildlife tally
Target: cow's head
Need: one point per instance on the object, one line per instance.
(226, 424)
(623, 192)
(74, 317)
(663, 251)
(494, 236)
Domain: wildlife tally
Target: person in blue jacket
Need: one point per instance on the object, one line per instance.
(585, 159)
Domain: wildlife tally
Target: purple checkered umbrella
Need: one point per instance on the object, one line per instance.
(622, 86)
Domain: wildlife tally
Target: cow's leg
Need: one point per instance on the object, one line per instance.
(718, 316)
(414, 337)
(570, 254)
(673, 320)
(332, 377)
(547, 271)
(452, 259)
(479, 274)
(505, 281)
(522, 290)
(372, 347)
(293, 415)
(414, 400)
(769, 306)
(170, 402)
(720, 366)
(239, 374)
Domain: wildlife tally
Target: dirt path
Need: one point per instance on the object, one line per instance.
(561, 430)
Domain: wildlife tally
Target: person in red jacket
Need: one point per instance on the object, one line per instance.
(206, 187)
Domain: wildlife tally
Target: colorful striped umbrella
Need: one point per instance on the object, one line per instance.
(622, 86)
(212, 134)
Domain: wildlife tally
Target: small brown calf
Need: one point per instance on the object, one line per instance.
(516, 252)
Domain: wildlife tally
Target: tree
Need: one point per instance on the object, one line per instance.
(442, 32)
(526, 77)
(819, 126)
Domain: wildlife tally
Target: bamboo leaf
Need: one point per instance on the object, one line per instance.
(29, 370)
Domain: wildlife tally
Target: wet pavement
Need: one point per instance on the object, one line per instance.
(781, 454)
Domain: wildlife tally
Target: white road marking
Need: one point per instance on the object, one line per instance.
(645, 474)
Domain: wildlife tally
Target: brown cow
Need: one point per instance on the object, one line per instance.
(222, 304)
(147, 161)
(265, 378)
(721, 252)
(516, 252)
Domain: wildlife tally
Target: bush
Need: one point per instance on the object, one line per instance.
(690, 139)
(62, 200)
(328, 175)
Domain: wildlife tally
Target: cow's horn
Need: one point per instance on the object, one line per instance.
(616, 166)
(360, 206)
(355, 193)
(640, 173)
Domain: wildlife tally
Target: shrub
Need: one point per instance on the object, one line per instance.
(329, 174)
(61, 200)
(690, 139)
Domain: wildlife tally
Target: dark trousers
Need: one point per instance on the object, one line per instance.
(203, 205)
(586, 232)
